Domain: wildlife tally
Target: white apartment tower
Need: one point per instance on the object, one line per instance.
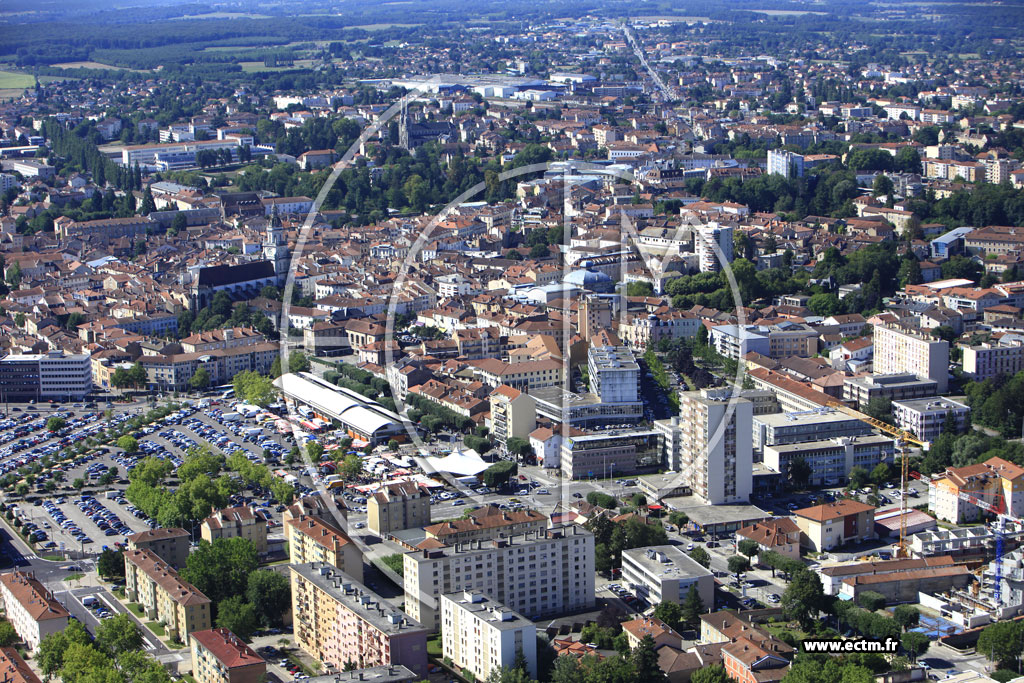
(900, 350)
(718, 464)
(707, 256)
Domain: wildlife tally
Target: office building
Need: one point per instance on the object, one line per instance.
(984, 361)
(219, 656)
(614, 374)
(905, 350)
(665, 573)
(539, 574)
(830, 460)
(900, 387)
(170, 545)
(31, 608)
(927, 417)
(340, 622)
(312, 539)
(777, 429)
(41, 376)
(785, 163)
(481, 635)
(164, 596)
(611, 453)
(716, 456)
(236, 522)
(705, 237)
(397, 506)
(824, 527)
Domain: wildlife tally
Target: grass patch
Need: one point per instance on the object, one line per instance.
(174, 644)
(119, 592)
(12, 79)
(156, 627)
(74, 577)
(136, 609)
(434, 648)
(188, 678)
(778, 629)
(54, 557)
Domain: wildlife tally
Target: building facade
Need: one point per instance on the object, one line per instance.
(714, 455)
(164, 596)
(312, 539)
(219, 656)
(397, 506)
(901, 350)
(482, 635)
(31, 608)
(665, 573)
(236, 522)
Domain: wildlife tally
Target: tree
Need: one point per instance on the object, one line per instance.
(748, 547)
(701, 557)
(693, 607)
(906, 616)
(881, 186)
(14, 276)
(53, 647)
(603, 500)
(858, 477)
(298, 362)
(880, 475)
(178, 225)
(238, 616)
(221, 569)
(351, 467)
(503, 674)
(498, 474)
(640, 288)
(803, 597)
(1001, 642)
(55, 424)
(314, 450)
(519, 447)
(915, 644)
(8, 634)
(644, 659)
(128, 443)
(110, 564)
(271, 592)
(711, 674)
(872, 601)
(200, 380)
(671, 613)
(799, 472)
(118, 634)
(254, 388)
(738, 564)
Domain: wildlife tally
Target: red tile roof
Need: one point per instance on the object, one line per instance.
(227, 648)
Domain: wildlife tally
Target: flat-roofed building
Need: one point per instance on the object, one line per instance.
(830, 460)
(236, 522)
(219, 656)
(900, 387)
(31, 608)
(986, 360)
(481, 635)
(927, 417)
(397, 506)
(899, 350)
(716, 445)
(165, 596)
(338, 620)
(806, 425)
(611, 453)
(665, 573)
(313, 539)
(537, 574)
(170, 545)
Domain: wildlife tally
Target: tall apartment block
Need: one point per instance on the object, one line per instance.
(719, 465)
(901, 349)
(537, 574)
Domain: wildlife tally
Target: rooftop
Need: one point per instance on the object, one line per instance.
(497, 615)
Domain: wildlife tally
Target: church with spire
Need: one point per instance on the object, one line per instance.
(275, 248)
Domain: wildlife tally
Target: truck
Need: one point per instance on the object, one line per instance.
(230, 417)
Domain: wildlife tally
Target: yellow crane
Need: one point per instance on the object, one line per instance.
(903, 437)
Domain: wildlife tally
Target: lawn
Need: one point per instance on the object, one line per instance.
(434, 648)
(74, 577)
(778, 629)
(136, 609)
(260, 67)
(174, 644)
(11, 79)
(156, 627)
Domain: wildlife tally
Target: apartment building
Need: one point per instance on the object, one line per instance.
(31, 608)
(665, 573)
(397, 506)
(170, 545)
(785, 163)
(830, 460)
(824, 527)
(340, 622)
(219, 656)
(984, 361)
(524, 376)
(614, 374)
(228, 338)
(165, 596)
(542, 573)
(905, 350)
(781, 340)
(716, 455)
(780, 535)
(926, 417)
(172, 372)
(706, 238)
(313, 539)
(104, 229)
(610, 453)
(955, 495)
(14, 668)
(481, 635)
(488, 523)
(236, 522)
(513, 414)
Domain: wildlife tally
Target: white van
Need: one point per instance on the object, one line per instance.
(89, 601)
